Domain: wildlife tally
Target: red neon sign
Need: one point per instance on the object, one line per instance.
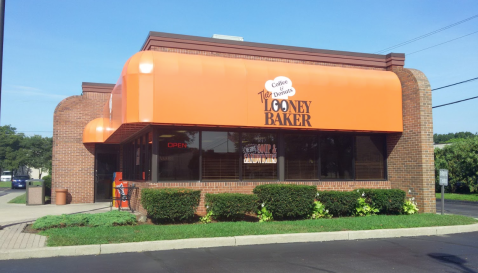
(177, 145)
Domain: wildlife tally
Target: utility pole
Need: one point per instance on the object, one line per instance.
(2, 24)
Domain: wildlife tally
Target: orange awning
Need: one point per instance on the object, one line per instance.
(182, 89)
(93, 132)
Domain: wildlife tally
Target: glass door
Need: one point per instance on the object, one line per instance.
(106, 164)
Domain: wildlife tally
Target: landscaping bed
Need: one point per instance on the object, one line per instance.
(138, 233)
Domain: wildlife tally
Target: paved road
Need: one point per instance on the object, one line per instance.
(452, 253)
(459, 207)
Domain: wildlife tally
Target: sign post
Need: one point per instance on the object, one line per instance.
(443, 183)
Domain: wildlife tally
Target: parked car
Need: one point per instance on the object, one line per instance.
(20, 182)
(6, 176)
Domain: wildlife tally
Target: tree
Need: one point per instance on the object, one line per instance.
(13, 153)
(452, 137)
(461, 160)
(39, 151)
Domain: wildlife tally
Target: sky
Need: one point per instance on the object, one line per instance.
(52, 46)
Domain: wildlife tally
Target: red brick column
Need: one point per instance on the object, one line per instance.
(410, 154)
(73, 161)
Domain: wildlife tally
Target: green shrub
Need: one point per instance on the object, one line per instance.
(107, 219)
(410, 207)
(265, 215)
(47, 180)
(170, 204)
(319, 211)
(287, 200)
(339, 203)
(387, 201)
(231, 206)
(363, 208)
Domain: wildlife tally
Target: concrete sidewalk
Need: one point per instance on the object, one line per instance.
(15, 217)
(19, 213)
(13, 237)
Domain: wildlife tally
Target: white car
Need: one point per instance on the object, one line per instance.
(6, 176)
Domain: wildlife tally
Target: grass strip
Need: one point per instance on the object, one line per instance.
(122, 234)
(473, 197)
(110, 218)
(21, 199)
(6, 184)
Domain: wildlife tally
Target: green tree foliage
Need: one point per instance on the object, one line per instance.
(461, 160)
(13, 152)
(39, 151)
(18, 150)
(452, 137)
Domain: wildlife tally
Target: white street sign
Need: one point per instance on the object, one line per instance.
(443, 177)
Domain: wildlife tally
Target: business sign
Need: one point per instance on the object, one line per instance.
(260, 154)
(443, 177)
(279, 109)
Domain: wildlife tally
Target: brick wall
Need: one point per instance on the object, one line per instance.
(73, 161)
(410, 154)
(247, 187)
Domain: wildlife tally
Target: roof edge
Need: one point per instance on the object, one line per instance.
(262, 45)
(97, 87)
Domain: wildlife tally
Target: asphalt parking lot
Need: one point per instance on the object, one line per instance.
(448, 253)
(459, 207)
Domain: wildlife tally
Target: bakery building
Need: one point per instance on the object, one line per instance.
(223, 115)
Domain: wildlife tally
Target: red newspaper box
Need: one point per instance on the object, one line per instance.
(120, 190)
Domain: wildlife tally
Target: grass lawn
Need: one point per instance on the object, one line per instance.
(6, 184)
(22, 199)
(123, 234)
(459, 196)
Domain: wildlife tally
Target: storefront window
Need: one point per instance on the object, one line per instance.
(336, 157)
(220, 155)
(369, 158)
(259, 153)
(185, 155)
(178, 155)
(301, 155)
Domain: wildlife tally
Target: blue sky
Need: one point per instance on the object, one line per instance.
(52, 46)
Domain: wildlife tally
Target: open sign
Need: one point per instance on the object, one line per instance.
(177, 145)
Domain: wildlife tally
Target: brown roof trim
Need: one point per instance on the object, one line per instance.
(97, 87)
(161, 39)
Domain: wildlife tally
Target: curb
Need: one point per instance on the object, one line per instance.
(231, 241)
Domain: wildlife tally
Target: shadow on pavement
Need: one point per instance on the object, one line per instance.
(453, 260)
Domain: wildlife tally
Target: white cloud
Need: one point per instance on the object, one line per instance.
(32, 91)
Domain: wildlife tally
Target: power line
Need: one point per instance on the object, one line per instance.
(441, 43)
(455, 102)
(455, 84)
(426, 35)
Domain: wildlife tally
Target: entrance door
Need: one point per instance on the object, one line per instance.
(106, 164)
